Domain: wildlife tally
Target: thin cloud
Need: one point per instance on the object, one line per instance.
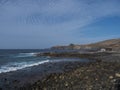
(52, 18)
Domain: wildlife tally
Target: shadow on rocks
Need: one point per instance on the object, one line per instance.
(117, 84)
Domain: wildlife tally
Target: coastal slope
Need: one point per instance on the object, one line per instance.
(113, 44)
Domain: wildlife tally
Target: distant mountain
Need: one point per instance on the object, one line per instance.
(113, 44)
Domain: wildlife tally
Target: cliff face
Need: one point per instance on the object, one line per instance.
(114, 44)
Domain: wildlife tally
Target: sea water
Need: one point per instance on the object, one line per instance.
(16, 59)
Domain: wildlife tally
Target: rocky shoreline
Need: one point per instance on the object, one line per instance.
(90, 76)
(102, 74)
(24, 78)
(98, 56)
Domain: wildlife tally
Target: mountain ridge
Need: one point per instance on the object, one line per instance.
(114, 44)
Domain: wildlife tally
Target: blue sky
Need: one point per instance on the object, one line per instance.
(45, 23)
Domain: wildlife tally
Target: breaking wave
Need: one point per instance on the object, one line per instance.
(17, 66)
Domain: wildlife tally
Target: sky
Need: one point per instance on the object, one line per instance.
(37, 24)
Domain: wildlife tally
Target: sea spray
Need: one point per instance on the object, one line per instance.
(17, 66)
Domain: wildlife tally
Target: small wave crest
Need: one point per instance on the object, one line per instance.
(26, 55)
(17, 66)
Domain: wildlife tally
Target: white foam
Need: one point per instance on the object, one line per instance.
(17, 66)
(26, 55)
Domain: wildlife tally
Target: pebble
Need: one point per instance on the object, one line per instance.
(96, 79)
(110, 77)
(44, 88)
(66, 84)
(117, 74)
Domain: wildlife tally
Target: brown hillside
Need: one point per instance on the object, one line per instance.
(112, 43)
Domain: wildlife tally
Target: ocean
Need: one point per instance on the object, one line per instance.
(16, 59)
